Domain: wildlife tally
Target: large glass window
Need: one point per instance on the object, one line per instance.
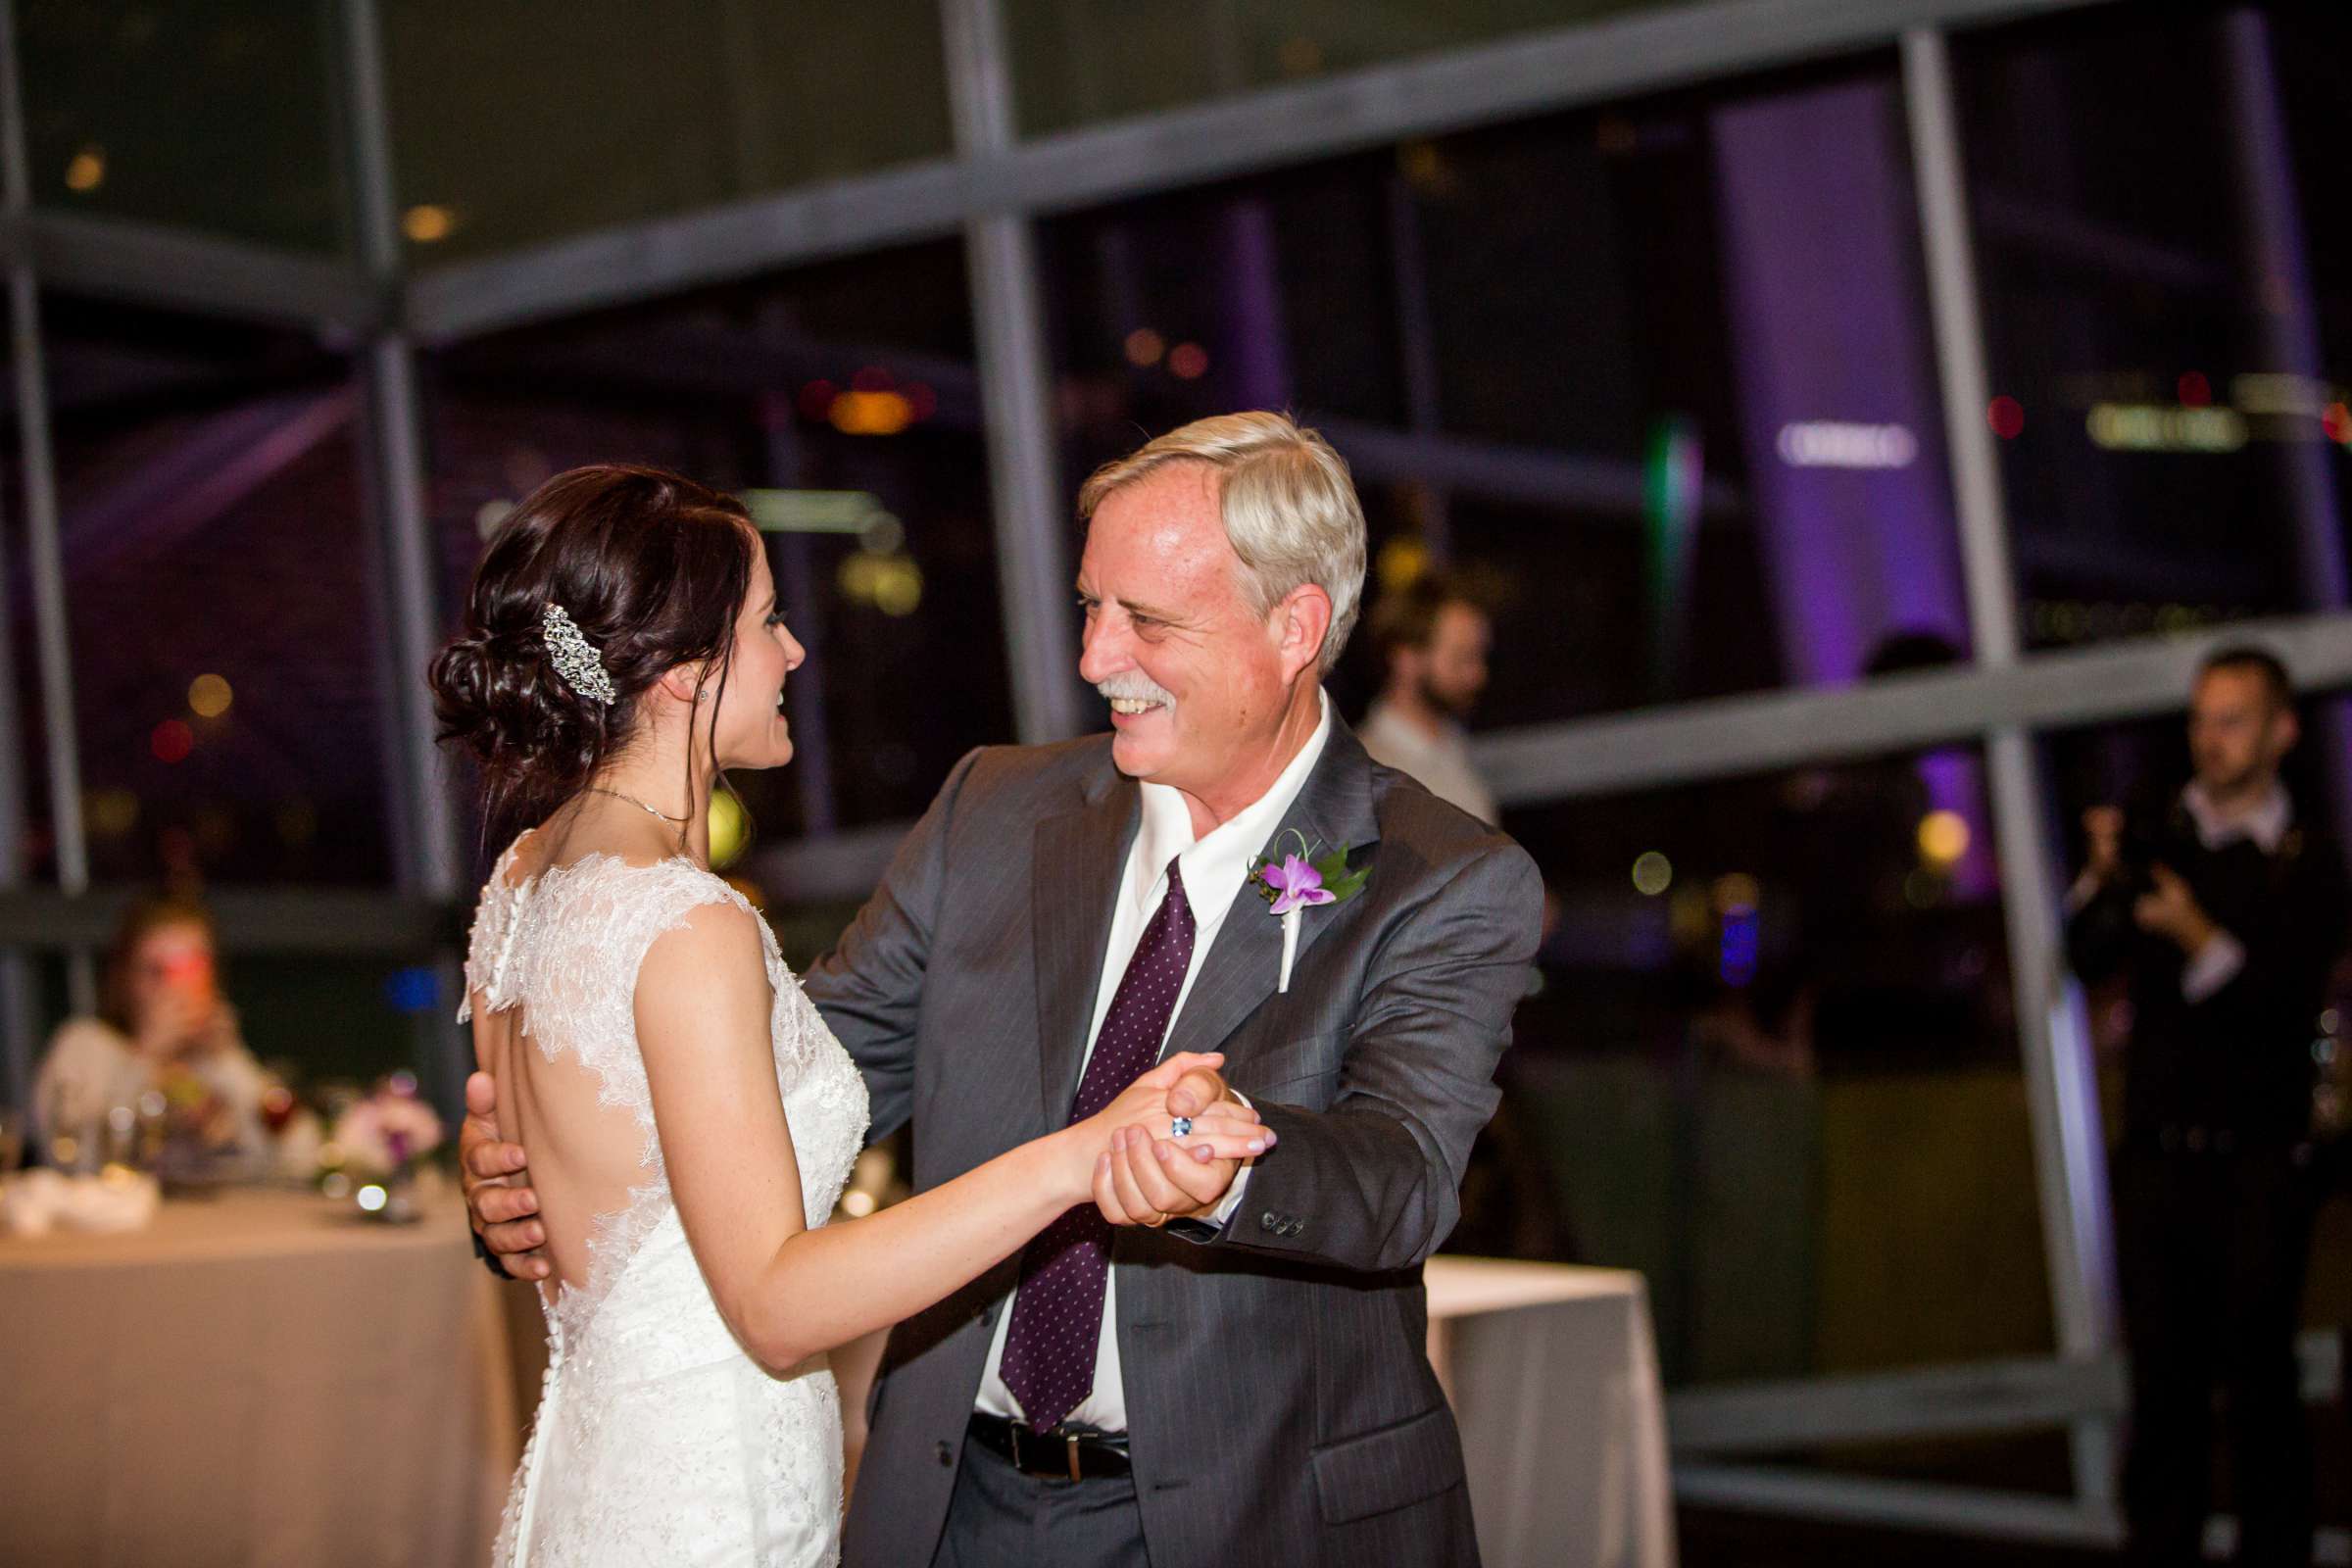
(1660, 372)
(228, 659)
(532, 121)
(842, 403)
(2165, 290)
(1078, 61)
(1773, 1065)
(217, 114)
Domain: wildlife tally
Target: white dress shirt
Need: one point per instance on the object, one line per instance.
(1440, 763)
(1214, 869)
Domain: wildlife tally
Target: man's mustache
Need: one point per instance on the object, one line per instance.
(1135, 686)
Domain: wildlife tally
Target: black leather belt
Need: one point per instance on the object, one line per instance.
(1060, 1453)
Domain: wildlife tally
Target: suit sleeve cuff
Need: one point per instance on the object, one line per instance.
(2214, 966)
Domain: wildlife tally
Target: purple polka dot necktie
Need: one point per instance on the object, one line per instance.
(1058, 1312)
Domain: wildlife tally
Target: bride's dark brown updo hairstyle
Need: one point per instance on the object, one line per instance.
(652, 567)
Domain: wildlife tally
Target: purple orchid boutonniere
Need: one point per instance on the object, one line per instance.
(1302, 881)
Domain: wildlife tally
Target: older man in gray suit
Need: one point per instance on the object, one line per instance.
(1218, 1366)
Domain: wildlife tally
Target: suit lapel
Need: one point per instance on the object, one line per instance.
(1245, 963)
(1074, 877)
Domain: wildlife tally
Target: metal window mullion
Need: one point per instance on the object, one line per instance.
(394, 469)
(1033, 561)
(17, 1020)
(2061, 1076)
(53, 640)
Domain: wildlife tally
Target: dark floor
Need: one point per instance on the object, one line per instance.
(1712, 1538)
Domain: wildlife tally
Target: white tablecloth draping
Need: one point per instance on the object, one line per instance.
(259, 1379)
(1553, 1374)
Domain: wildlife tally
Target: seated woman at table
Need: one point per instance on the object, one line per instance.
(161, 1025)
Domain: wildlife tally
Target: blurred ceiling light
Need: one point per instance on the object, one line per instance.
(1943, 837)
(856, 413)
(427, 224)
(2194, 390)
(858, 512)
(490, 515)
(1737, 894)
(172, 740)
(1653, 873)
(899, 587)
(1401, 563)
(1188, 362)
(891, 584)
(2153, 428)
(2006, 415)
(208, 695)
(1836, 444)
(1144, 347)
(86, 170)
(730, 830)
(113, 813)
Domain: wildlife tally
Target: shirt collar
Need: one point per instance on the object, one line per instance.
(2265, 824)
(1213, 865)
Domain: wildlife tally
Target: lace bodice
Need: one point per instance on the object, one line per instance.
(635, 1350)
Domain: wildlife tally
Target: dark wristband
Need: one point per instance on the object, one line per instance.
(489, 1258)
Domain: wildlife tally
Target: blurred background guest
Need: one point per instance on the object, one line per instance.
(2223, 913)
(1431, 639)
(163, 1030)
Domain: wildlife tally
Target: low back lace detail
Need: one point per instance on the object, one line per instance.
(641, 1364)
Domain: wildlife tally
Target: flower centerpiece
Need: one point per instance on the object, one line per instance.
(376, 1147)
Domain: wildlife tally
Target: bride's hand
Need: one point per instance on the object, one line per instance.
(1226, 1130)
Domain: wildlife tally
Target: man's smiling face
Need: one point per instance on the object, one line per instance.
(1194, 673)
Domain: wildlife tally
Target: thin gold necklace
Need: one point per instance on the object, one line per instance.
(678, 822)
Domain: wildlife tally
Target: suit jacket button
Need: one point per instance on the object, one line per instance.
(946, 1455)
(1267, 1222)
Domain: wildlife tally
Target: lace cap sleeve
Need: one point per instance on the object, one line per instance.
(579, 937)
(493, 927)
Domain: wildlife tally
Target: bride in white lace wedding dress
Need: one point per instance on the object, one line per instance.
(690, 1119)
(658, 1439)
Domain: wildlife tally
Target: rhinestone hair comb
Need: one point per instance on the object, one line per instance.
(575, 657)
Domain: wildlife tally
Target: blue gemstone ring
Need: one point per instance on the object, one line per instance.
(1179, 1126)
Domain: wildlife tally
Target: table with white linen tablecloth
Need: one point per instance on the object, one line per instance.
(258, 1378)
(1554, 1375)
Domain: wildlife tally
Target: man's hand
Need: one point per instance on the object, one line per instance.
(497, 1200)
(2172, 910)
(1149, 1181)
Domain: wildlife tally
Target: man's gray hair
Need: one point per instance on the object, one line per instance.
(1290, 508)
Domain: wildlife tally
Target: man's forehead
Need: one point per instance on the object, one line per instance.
(1170, 534)
(2227, 689)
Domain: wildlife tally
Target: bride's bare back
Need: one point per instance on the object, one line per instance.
(588, 1150)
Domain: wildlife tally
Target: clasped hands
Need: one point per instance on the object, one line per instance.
(1143, 1172)
(2169, 910)
(1142, 1177)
